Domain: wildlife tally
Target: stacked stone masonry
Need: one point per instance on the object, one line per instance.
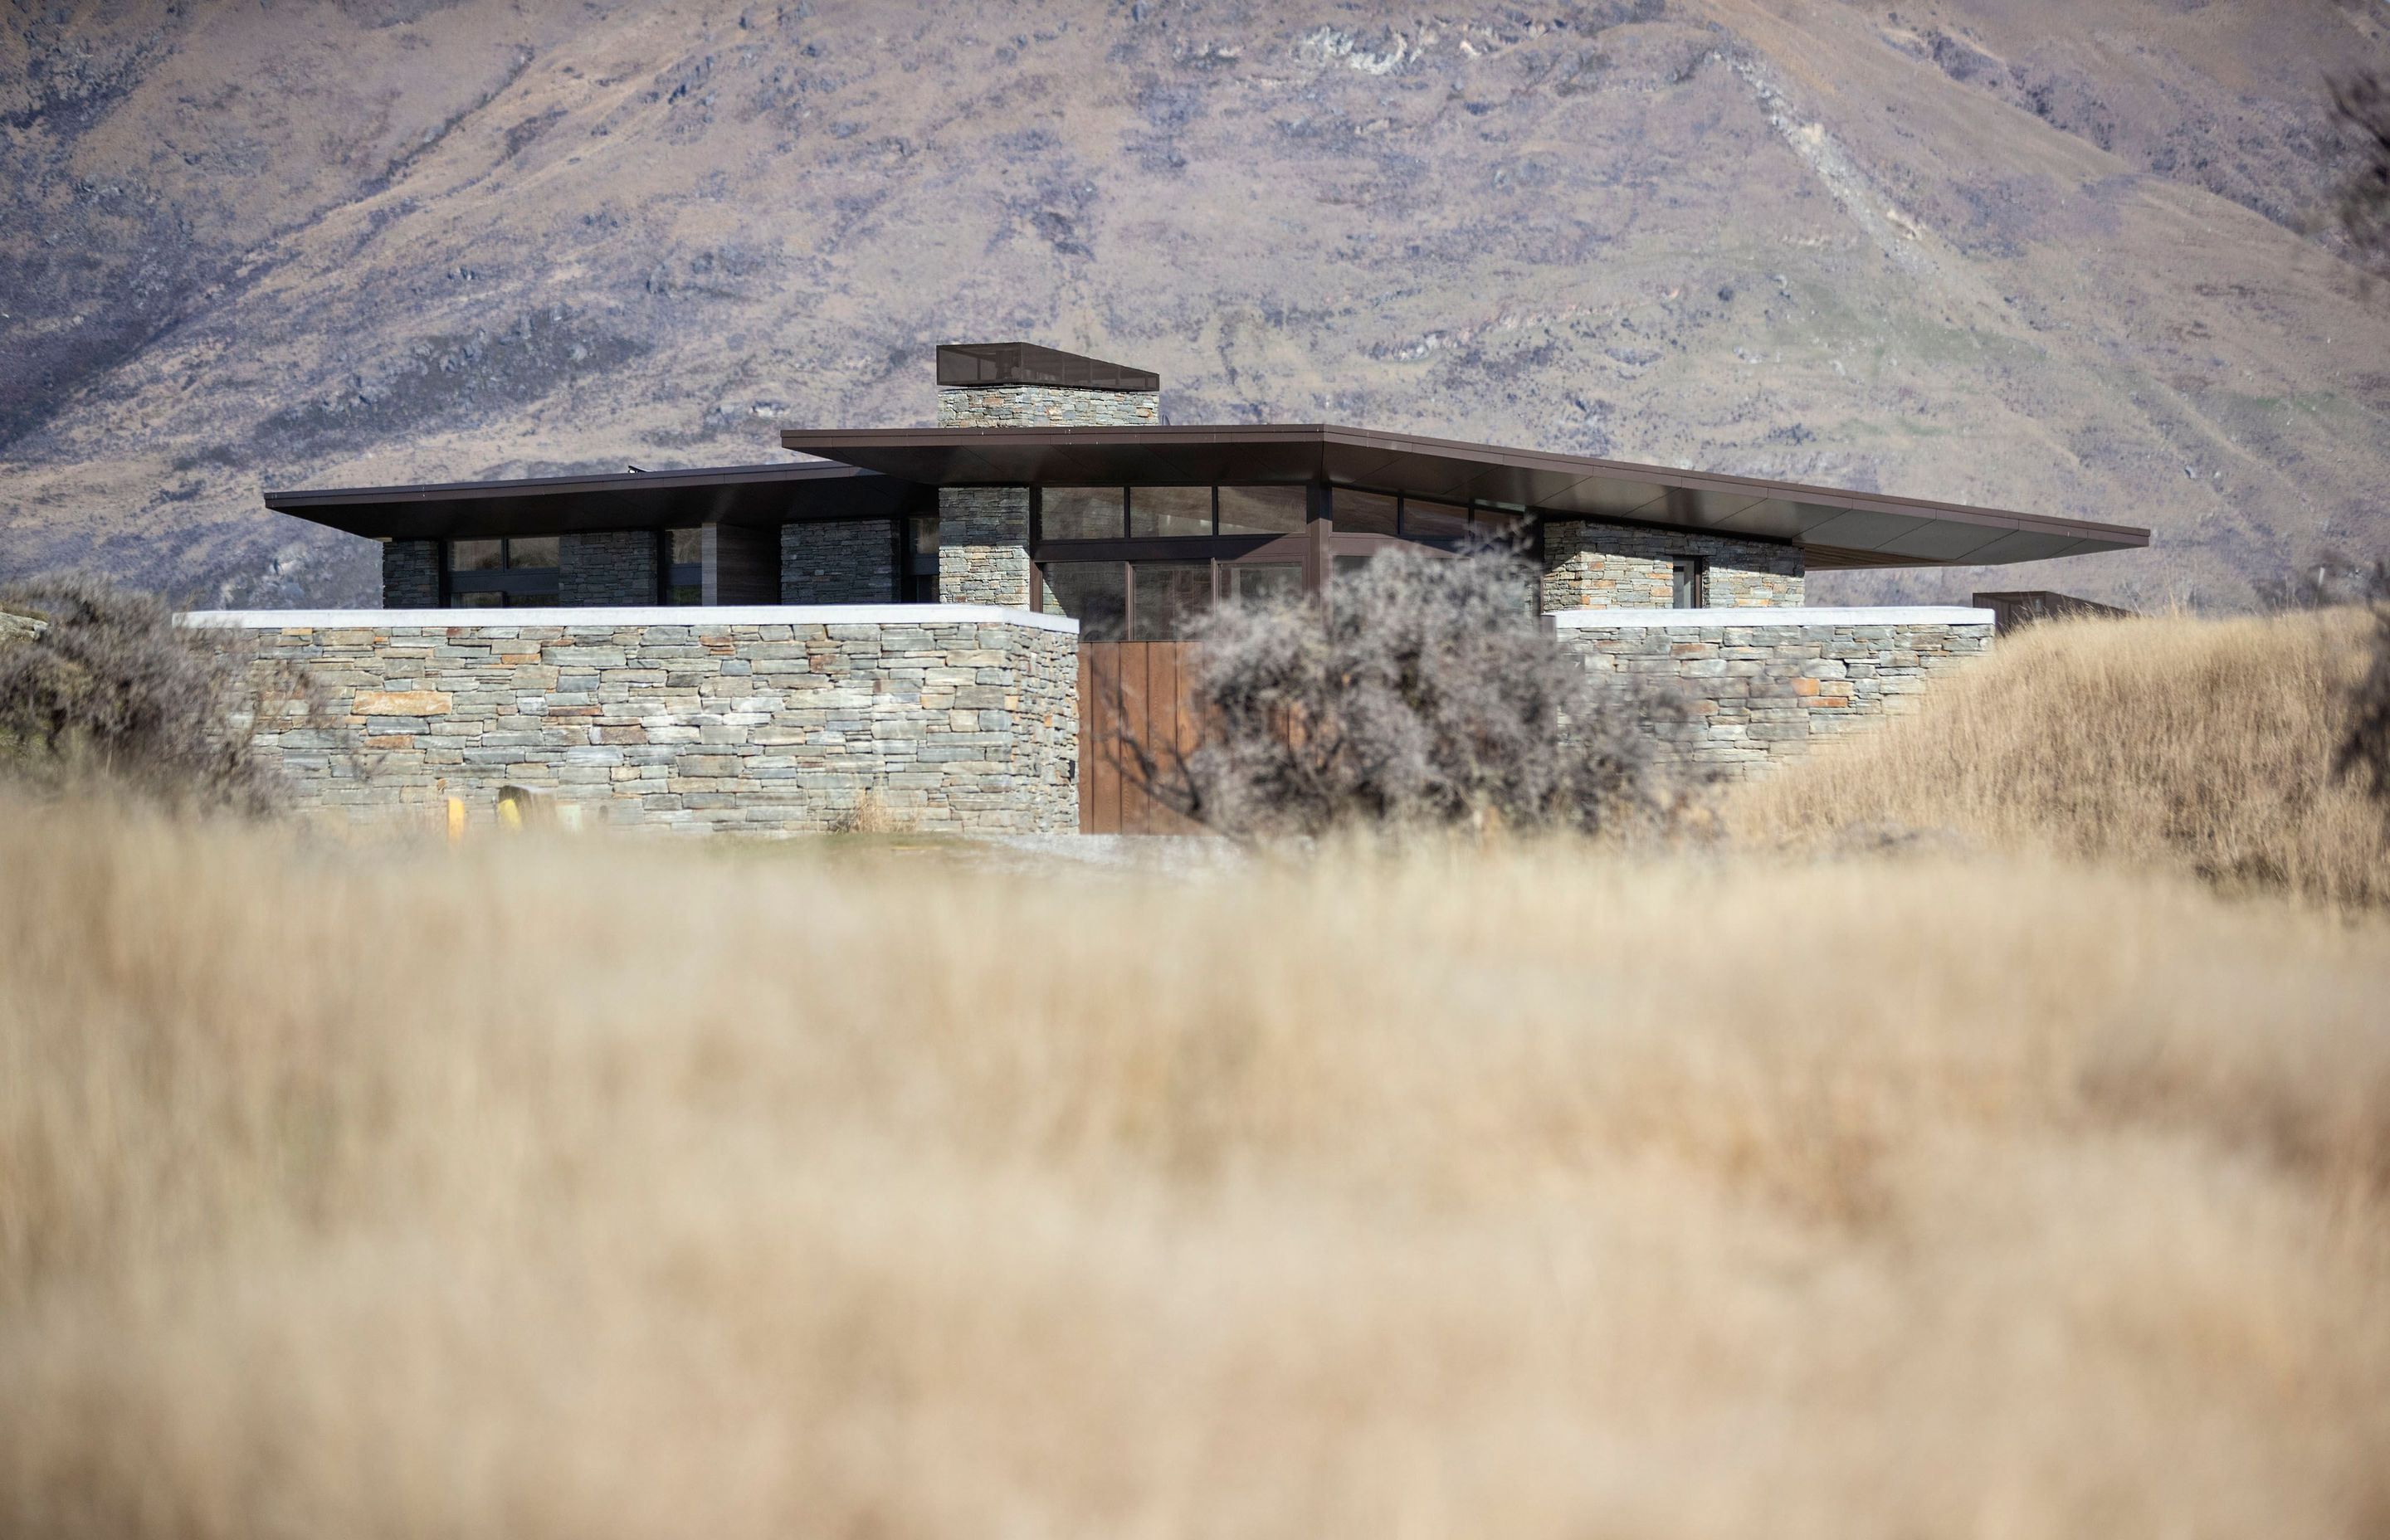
(983, 547)
(849, 561)
(611, 566)
(1757, 689)
(410, 574)
(751, 721)
(1046, 407)
(1589, 565)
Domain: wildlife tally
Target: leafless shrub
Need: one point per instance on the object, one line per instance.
(2364, 753)
(1426, 695)
(2328, 577)
(110, 689)
(870, 814)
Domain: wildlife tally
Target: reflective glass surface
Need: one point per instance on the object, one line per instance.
(476, 556)
(1267, 582)
(1361, 512)
(536, 552)
(1440, 524)
(1169, 511)
(1170, 595)
(1081, 513)
(1093, 593)
(688, 548)
(1262, 510)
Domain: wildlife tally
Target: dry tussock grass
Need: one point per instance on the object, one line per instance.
(2196, 744)
(621, 1191)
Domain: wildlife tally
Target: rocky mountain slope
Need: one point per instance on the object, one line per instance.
(2037, 253)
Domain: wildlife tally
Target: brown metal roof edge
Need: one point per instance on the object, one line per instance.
(824, 440)
(542, 486)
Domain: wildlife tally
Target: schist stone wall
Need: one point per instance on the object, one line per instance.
(410, 574)
(758, 720)
(614, 567)
(983, 545)
(1046, 407)
(1589, 565)
(849, 561)
(1761, 685)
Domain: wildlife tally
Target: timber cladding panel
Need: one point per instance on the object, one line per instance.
(1137, 708)
(760, 721)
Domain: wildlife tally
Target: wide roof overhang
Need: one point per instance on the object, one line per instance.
(760, 496)
(1835, 528)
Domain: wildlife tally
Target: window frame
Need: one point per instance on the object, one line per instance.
(507, 580)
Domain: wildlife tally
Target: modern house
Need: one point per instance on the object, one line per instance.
(1051, 484)
(1051, 500)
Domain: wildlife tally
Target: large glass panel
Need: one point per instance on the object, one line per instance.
(1081, 513)
(1349, 566)
(536, 553)
(1506, 524)
(1262, 510)
(480, 598)
(531, 601)
(684, 593)
(1169, 510)
(476, 556)
(1093, 593)
(1362, 512)
(1436, 523)
(925, 534)
(1170, 595)
(688, 548)
(1266, 581)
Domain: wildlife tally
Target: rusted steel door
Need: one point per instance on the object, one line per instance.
(1137, 707)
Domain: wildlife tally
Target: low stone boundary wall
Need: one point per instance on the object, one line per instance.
(766, 720)
(1761, 685)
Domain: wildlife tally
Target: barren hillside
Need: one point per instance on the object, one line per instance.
(2030, 252)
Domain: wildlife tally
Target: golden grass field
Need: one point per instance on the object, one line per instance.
(590, 1189)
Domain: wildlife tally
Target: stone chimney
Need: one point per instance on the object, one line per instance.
(1022, 385)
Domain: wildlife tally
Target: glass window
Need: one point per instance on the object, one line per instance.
(684, 593)
(1263, 510)
(1081, 513)
(477, 556)
(1093, 593)
(1169, 511)
(1499, 525)
(688, 548)
(480, 598)
(1170, 595)
(925, 533)
(1691, 591)
(536, 552)
(1439, 523)
(1362, 512)
(1266, 582)
(1350, 566)
(531, 601)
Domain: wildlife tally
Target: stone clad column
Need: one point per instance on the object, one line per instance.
(983, 545)
(410, 574)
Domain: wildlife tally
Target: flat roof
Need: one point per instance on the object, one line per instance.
(760, 496)
(1835, 528)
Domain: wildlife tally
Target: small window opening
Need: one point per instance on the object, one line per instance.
(1692, 582)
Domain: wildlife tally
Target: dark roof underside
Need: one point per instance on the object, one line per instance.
(760, 496)
(1835, 528)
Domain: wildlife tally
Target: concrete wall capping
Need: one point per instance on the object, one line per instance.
(1915, 614)
(698, 618)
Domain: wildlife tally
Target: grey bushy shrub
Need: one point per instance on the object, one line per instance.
(109, 689)
(1428, 694)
